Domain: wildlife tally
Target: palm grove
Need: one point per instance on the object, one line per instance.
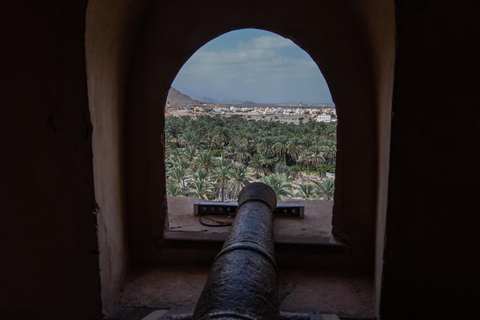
(213, 158)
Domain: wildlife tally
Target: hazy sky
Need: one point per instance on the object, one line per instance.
(255, 65)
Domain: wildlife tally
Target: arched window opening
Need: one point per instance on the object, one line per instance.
(248, 106)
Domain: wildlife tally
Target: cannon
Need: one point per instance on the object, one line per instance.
(243, 282)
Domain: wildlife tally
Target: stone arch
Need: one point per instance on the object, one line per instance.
(133, 53)
(337, 42)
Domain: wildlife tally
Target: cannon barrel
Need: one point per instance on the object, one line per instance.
(243, 281)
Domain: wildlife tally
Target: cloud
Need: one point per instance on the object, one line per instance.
(267, 42)
(260, 69)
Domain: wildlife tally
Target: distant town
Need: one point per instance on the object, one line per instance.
(179, 104)
(288, 114)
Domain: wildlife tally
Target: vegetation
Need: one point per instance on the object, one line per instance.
(213, 158)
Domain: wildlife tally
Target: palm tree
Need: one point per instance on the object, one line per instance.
(294, 147)
(198, 141)
(280, 184)
(260, 144)
(325, 189)
(182, 163)
(174, 126)
(178, 175)
(238, 180)
(221, 136)
(305, 158)
(190, 153)
(210, 141)
(201, 189)
(307, 142)
(317, 158)
(174, 190)
(307, 191)
(225, 162)
(205, 160)
(177, 153)
(186, 138)
(265, 146)
(242, 154)
(222, 176)
(280, 147)
(329, 152)
(256, 162)
(201, 174)
(168, 138)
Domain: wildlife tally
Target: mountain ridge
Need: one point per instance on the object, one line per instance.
(176, 98)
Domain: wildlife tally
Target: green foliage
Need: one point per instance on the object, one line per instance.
(327, 168)
(174, 190)
(280, 183)
(201, 189)
(325, 189)
(214, 157)
(238, 180)
(307, 191)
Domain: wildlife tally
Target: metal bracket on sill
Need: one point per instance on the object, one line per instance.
(223, 208)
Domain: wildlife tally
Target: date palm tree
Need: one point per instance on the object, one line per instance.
(317, 157)
(221, 136)
(201, 174)
(205, 160)
(190, 153)
(242, 154)
(224, 162)
(182, 163)
(280, 183)
(178, 175)
(201, 189)
(174, 190)
(222, 174)
(256, 162)
(305, 158)
(307, 191)
(265, 146)
(294, 147)
(280, 147)
(238, 180)
(325, 189)
(186, 138)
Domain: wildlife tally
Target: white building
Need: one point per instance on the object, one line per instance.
(324, 117)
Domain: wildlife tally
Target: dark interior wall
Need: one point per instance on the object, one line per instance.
(335, 37)
(379, 23)
(433, 211)
(111, 26)
(49, 264)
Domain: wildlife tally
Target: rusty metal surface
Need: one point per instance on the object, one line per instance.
(243, 282)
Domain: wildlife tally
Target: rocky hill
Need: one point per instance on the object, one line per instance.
(175, 99)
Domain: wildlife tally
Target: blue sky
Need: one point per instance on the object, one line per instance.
(255, 65)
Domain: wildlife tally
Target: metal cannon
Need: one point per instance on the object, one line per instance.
(243, 282)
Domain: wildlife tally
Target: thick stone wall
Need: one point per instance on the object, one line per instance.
(433, 211)
(48, 237)
(110, 41)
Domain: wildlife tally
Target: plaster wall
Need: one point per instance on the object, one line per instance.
(379, 24)
(48, 242)
(432, 229)
(109, 41)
